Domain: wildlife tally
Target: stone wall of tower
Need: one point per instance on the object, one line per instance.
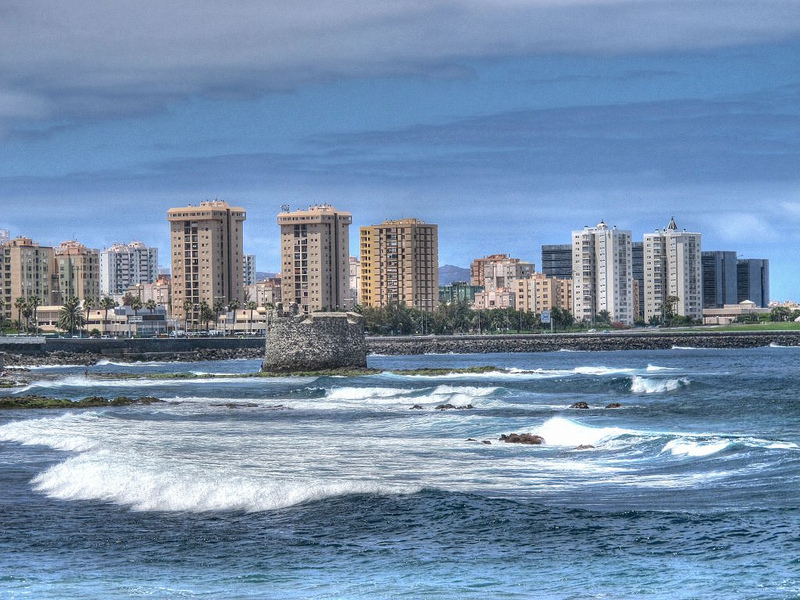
(314, 342)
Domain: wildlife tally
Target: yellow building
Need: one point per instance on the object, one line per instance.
(26, 272)
(538, 292)
(76, 273)
(207, 255)
(400, 263)
(315, 258)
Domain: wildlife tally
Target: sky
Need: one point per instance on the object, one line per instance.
(508, 123)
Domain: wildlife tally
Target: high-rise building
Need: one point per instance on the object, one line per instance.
(5, 236)
(124, 265)
(719, 278)
(249, 273)
(673, 270)
(637, 264)
(400, 263)
(538, 292)
(315, 258)
(498, 275)
(207, 256)
(353, 293)
(26, 272)
(76, 273)
(753, 281)
(557, 260)
(602, 273)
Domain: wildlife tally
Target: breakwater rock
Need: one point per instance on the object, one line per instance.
(585, 342)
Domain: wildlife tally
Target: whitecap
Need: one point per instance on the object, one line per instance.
(653, 368)
(158, 486)
(684, 447)
(644, 385)
(684, 348)
(559, 431)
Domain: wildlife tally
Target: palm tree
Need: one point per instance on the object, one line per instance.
(107, 303)
(21, 305)
(34, 302)
(150, 305)
(187, 308)
(88, 305)
(251, 306)
(206, 314)
(2, 316)
(70, 316)
(136, 305)
(218, 305)
(233, 306)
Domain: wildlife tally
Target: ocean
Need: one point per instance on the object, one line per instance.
(359, 487)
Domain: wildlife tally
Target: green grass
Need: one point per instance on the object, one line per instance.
(15, 402)
(791, 326)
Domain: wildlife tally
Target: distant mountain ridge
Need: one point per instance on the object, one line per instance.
(450, 273)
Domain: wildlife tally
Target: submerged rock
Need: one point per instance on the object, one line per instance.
(614, 405)
(521, 438)
(579, 405)
(451, 406)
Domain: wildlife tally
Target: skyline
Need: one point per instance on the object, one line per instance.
(508, 125)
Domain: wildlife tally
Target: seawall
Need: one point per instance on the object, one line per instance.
(29, 350)
(579, 341)
(87, 351)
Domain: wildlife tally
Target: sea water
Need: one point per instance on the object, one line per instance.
(359, 487)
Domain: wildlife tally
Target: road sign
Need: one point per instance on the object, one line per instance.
(545, 316)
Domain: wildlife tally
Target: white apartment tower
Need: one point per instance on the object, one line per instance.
(126, 265)
(673, 267)
(602, 273)
(250, 277)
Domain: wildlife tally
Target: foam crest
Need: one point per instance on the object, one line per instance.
(656, 368)
(152, 487)
(559, 431)
(684, 348)
(56, 433)
(600, 371)
(684, 447)
(643, 385)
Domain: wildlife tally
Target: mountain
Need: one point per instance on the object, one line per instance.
(450, 273)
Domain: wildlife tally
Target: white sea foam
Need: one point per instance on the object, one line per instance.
(559, 431)
(654, 368)
(684, 348)
(148, 486)
(601, 371)
(696, 448)
(644, 385)
(54, 432)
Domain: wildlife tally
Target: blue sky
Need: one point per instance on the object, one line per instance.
(508, 123)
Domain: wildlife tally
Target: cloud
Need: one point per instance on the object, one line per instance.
(94, 59)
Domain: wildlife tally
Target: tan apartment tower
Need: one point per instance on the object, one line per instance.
(673, 273)
(400, 263)
(315, 258)
(26, 273)
(76, 273)
(207, 256)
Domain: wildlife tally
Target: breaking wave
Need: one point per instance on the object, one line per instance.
(559, 431)
(643, 385)
(152, 487)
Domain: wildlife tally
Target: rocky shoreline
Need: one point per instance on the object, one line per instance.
(411, 345)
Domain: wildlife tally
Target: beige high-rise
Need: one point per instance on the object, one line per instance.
(26, 271)
(315, 258)
(76, 273)
(400, 263)
(207, 255)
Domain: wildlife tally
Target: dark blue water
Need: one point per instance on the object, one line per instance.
(337, 488)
